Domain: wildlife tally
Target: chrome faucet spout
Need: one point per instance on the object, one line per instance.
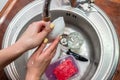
(46, 13)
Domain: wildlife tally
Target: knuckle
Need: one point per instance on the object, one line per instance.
(47, 30)
(42, 21)
(47, 60)
(34, 23)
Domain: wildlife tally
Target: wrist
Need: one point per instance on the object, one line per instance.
(17, 49)
(32, 75)
(21, 46)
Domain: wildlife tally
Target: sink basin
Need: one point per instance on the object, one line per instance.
(100, 39)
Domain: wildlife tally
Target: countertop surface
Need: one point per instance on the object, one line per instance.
(110, 7)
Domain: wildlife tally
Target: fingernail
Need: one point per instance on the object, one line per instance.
(60, 37)
(45, 40)
(52, 25)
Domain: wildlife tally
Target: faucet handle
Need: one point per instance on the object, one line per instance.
(73, 3)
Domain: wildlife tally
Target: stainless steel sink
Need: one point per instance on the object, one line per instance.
(100, 39)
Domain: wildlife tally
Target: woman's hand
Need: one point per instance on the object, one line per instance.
(32, 37)
(35, 34)
(39, 61)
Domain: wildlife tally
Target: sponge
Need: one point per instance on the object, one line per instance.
(58, 29)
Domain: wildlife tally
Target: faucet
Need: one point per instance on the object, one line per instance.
(46, 13)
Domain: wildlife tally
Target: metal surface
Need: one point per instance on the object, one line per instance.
(100, 40)
(74, 3)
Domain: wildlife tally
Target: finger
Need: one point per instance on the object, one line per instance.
(39, 25)
(41, 48)
(47, 58)
(53, 53)
(53, 46)
(50, 57)
(48, 28)
(50, 49)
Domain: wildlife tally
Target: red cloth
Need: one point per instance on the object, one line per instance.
(65, 70)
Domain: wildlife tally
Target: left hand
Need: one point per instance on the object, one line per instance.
(39, 61)
(35, 34)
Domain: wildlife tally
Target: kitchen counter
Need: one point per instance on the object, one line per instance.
(112, 9)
